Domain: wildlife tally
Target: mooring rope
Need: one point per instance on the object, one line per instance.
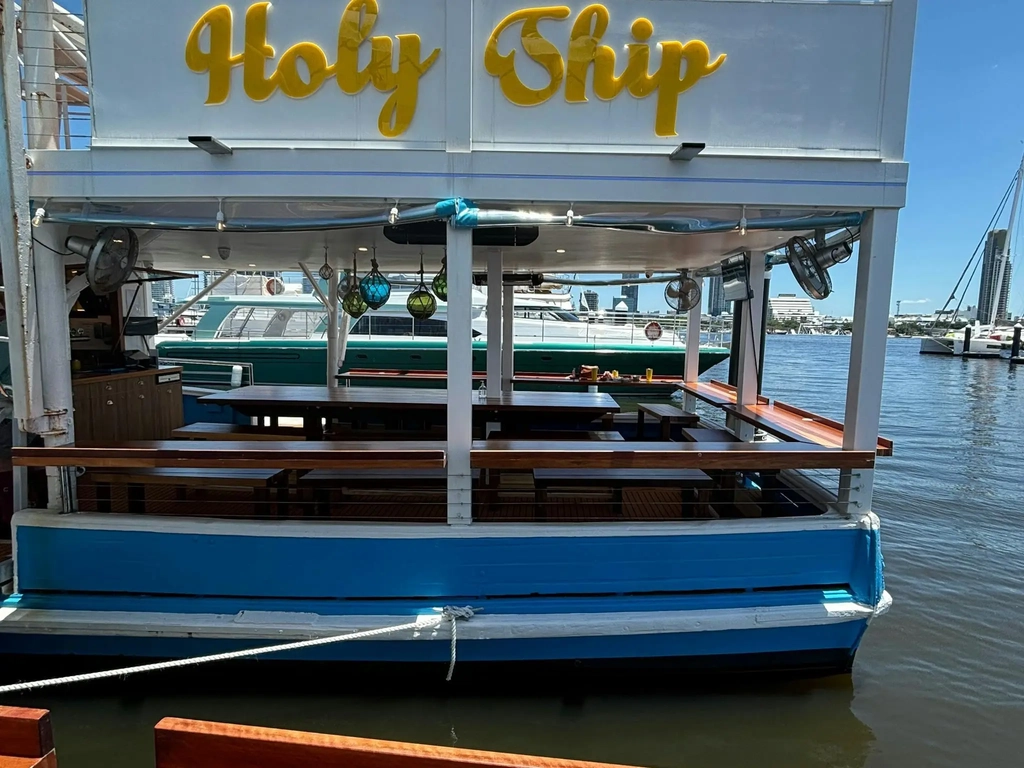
(451, 614)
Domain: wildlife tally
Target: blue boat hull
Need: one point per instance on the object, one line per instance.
(743, 593)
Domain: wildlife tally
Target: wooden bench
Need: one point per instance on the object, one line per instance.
(787, 422)
(262, 482)
(703, 435)
(666, 414)
(716, 393)
(317, 485)
(694, 485)
(282, 454)
(559, 434)
(554, 454)
(213, 431)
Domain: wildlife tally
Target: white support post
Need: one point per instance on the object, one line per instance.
(460, 375)
(508, 341)
(494, 322)
(55, 354)
(750, 343)
(691, 364)
(42, 115)
(867, 352)
(16, 241)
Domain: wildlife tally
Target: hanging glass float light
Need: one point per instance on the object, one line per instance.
(421, 304)
(375, 288)
(440, 281)
(352, 302)
(326, 271)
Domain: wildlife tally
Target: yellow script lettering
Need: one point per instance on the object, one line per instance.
(682, 65)
(304, 67)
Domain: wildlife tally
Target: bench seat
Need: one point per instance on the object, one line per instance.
(184, 479)
(215, 431)
(667, 414)
(695, 486)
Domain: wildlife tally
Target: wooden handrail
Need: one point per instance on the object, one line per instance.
(716, 393)
(212, 454)
(196, 744)
(788, 422)
(551, 454)
(26, 738)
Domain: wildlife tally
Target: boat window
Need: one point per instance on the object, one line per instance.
(246, 323)
(569, 317)
(304, 324)
(390, 325)
(394, 325)
(431, 327)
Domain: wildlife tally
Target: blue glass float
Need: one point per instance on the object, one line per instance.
(375, 288)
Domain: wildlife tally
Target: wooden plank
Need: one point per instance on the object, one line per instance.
(48, 760)
(797, 425)
(93, 378)
(195, 744)
(716, 393)
(25, 732)
(539, 454)
(218, 454)
(249, 478)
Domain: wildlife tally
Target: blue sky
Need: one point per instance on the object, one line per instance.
(964, 141)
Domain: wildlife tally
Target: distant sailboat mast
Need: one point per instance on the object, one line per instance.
(1006, 250)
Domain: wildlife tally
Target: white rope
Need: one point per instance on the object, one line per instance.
(453, 614)
(420, 623)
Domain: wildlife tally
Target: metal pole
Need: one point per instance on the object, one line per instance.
(494, 322)
(1014, 209)
(691, 363)
(316, 286)
(764, 327)
(40, 74)
(333, 347)
(508, 345)
(194, 300)
(750, 335)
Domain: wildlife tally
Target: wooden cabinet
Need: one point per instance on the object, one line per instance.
(143, 405)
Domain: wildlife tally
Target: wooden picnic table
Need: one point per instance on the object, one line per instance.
(315, 403)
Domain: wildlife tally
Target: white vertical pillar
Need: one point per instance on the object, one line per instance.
(54, 353)
(494, 323)
(867, 351)
(750, 342)
(691, 370)
(460, 375)
(508, 334)
(40, 75)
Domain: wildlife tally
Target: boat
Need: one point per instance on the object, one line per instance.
(984, 338)
(446, 529)
(282, 340)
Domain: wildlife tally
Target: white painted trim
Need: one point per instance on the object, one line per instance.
(319, 530)
(283, 626)
(495, 294)
(460, 375)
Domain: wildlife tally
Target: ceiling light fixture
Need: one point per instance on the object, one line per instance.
(205, 256)
(363, 249)
(221, 221)
(560, 250)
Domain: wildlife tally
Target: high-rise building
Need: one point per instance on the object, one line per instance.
(989, 295)
(789, 306)
(163, 292)
(716, 297)
(590, 301)
(631, 293)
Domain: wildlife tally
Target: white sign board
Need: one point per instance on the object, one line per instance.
(626, 73)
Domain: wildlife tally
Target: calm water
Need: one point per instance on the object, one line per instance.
(938, 682)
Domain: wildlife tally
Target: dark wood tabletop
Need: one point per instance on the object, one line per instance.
(281, 398)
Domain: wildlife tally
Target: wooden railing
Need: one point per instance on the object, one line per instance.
(26, 741)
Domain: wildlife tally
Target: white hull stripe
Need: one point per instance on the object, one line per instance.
(309, 529)
(251, 625)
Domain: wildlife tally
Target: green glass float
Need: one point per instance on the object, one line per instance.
(375, 288)
(421, 304)
(352, 302)
(440, 281)
(326, 271)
